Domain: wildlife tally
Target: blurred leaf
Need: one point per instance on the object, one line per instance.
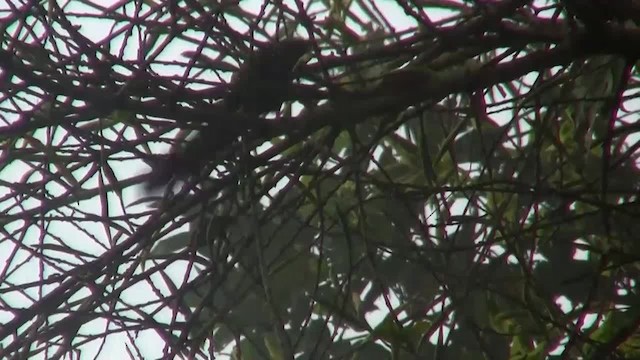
(247, 351)
(170, 244)
(273, 346)
(481, 144)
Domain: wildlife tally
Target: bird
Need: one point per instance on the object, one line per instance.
(261, 85)
(596, 13)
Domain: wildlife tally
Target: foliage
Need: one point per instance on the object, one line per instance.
(454, 180)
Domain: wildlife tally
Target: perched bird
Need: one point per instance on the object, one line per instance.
(596, 13)
(261, 85)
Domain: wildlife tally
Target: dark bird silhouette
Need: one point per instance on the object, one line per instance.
(261, 85)
(596, 13)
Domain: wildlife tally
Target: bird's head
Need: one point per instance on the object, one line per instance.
(281, 56)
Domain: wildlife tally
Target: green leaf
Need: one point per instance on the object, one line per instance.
(170, 244)
(273, 346)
